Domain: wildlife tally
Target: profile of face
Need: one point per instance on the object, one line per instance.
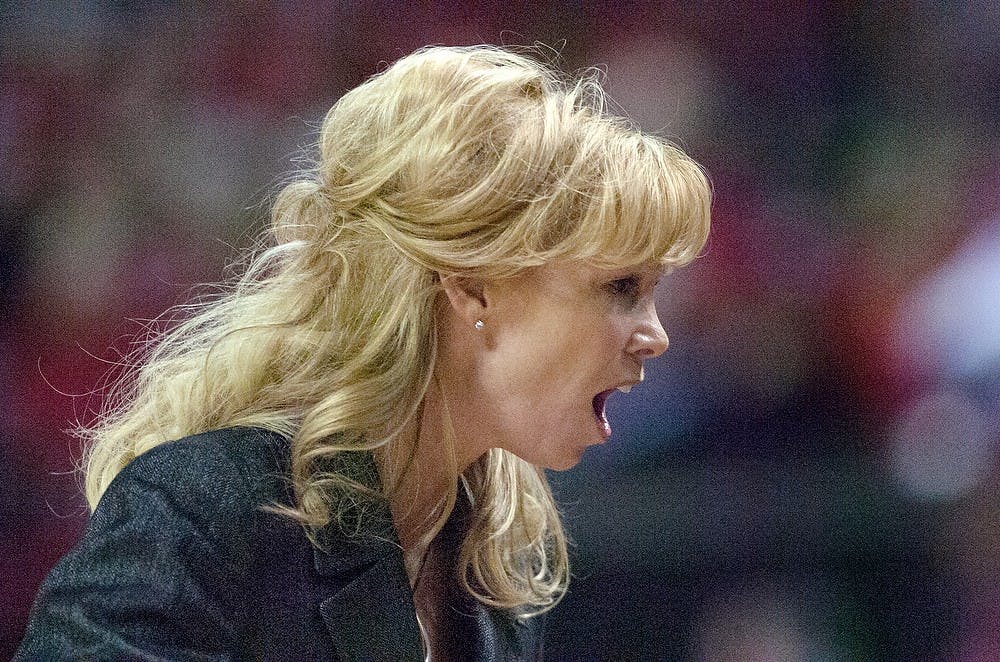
(556, 342)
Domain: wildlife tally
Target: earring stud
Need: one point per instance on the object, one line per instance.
(479, 325)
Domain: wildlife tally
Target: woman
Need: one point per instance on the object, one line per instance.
(362, 421)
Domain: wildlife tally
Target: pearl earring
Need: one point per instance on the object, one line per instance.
(479, 325)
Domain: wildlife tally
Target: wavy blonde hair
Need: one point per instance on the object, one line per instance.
(478, 161)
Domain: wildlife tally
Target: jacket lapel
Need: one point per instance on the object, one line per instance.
(370, 615)
(477, 632)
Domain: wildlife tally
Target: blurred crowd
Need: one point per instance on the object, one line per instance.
(809, 473)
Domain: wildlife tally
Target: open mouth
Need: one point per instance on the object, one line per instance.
(598, 405)
(600, 415)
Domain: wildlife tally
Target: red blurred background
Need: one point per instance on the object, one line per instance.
(809, 473)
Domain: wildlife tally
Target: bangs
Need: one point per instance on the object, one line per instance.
(647, 203)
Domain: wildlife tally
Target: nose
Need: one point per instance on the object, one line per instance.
(648, 339)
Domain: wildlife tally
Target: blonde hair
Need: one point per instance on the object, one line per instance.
(473, 160)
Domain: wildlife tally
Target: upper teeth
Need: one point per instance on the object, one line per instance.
(625, 389)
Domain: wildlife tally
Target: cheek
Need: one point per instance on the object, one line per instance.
(518, 369)
(621, 328)
(604, 338)
(530, 377)
(540, 369)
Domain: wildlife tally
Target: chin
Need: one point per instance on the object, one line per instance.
(564, 463)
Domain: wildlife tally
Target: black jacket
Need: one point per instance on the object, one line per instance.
(180, 561)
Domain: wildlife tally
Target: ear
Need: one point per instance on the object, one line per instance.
(466, 296)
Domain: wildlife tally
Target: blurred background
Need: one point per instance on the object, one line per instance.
(810, 473)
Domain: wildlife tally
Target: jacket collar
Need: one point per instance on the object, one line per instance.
(371, 608)
(371, 612)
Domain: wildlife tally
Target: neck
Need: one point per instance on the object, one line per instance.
(426, 470)
(425, 467)
(422, 467)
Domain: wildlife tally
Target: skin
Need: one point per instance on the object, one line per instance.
(552, 339)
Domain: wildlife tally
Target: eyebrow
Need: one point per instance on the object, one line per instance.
(655, 270)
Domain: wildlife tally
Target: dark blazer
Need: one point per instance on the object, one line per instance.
(180, 561)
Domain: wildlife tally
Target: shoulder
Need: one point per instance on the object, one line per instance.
(214, 487)
(168, 560)
(232, 466)
(248, 452)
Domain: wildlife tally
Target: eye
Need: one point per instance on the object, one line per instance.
(626, 288)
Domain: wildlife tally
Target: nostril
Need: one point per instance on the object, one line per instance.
(649, 345)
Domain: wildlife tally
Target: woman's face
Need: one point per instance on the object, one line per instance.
(558, 341)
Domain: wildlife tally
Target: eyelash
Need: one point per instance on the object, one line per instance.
(626, 288)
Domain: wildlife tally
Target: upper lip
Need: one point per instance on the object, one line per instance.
(635, 377)
(626, 385)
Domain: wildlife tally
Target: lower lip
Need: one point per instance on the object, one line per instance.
(605, 429)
